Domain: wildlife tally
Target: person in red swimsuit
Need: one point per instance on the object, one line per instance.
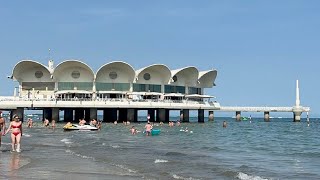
(16, 133)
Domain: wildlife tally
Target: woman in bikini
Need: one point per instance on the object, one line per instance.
(16, 133)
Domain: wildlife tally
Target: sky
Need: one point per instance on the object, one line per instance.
(259, 48)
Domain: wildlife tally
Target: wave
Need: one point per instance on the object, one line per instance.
(79, 155)
(184, 178)
(66, 141)
(244, 176)
(115, 146)
(125, 168)
(160, 161)
(26, 135)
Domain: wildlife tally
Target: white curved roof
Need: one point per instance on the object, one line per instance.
(158, 73)
(207, 78)
(25, 71)
(63, 71)
(185, 76)
(125, 72)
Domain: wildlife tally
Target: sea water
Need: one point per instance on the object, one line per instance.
(280, 149)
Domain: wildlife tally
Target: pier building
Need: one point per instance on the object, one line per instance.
(117, 89)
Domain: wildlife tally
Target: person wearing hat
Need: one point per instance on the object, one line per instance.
(16, 132)
(2, 126)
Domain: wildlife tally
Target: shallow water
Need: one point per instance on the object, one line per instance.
(279, 149)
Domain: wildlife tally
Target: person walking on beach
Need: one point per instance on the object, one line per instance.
(2, 126)
(16, 132)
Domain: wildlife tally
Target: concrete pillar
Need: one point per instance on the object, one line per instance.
(211, 115)
(87, 114)
(151, 112)
(19, 112)
(122, 114)
(79, 114)
(161, 115)
(297, 116)
(238, 115)
(55, 114)
(185, 115)
(110, 115)
(167, 116)
(267, 116)
(132, 115)
(181, 115)
(200, 115)
(68, 115)
(93, 113)
(47, 114)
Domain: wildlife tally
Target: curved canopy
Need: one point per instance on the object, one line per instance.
(207, 78)
(187, 76)
(73, 71)
(153, 74)
(118, 71)
(30, 71)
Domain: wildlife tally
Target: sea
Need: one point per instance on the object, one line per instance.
(246, 150)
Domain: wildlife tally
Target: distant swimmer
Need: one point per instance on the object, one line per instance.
(53, 123)
(133, 130)
(46, 122)
(224, 124)
(29, 123)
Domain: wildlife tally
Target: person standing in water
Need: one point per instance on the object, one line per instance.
(224, 124)
(148, 128)
(16, 133)
(2, 126)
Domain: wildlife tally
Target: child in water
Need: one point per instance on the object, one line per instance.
(133, 130)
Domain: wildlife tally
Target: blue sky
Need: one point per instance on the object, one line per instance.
(259, 48)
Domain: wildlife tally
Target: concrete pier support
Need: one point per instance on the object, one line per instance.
(211, 116)
(238, 115)
(132, 115)
(122, 115)
(47, 114)
(19, 111)
(68, 115)
(267, 116)
(87, 114)
(200, 115)
(297, 116)
(181, 115)
(93, 113)
(151, 112)
(162, 115)
(79, 114)
(110, 115)
(185, 115)
(55, 114)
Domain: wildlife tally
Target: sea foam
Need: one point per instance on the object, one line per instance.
(244, 176)
(160, 161)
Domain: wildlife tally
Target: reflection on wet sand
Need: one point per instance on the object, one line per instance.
(14, 164)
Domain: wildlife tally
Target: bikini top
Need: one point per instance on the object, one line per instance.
(13, 126)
